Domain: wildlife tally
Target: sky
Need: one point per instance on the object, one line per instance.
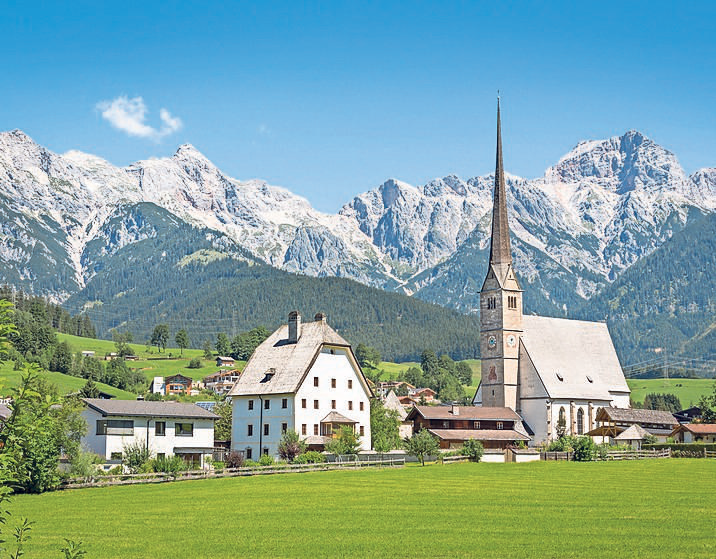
(332, 99)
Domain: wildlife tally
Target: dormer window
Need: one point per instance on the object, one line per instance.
(560, 378)
(589, 379)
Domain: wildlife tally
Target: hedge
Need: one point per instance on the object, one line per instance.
(683, 450)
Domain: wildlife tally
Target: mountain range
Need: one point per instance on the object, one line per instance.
(603, 208)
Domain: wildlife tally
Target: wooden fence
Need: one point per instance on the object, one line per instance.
(637, 454)
(709, 453)
(556, 455)
(134, 479)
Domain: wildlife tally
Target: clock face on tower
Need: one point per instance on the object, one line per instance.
(492, 342)
(511, 340)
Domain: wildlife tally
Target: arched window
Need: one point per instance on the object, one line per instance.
(580, 422)
(562, 416)
(562, 423)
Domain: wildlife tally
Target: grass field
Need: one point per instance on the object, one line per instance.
(545, 509)
(689, 391)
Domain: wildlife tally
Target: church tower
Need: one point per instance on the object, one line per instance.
(500, 304)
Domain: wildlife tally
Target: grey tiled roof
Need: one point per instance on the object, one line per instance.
(143, 408)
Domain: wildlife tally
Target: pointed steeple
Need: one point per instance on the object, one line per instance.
(500, 253)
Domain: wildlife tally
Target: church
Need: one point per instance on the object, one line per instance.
(555, 373)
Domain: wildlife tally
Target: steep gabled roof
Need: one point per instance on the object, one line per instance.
(634, 433)
(143, 408)
(393, 403)
(697, 428)
(278, 366)
(573, 358)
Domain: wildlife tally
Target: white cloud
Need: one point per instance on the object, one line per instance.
(130, 115)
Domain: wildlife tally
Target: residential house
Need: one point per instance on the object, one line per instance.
(695, 433)
(5, 413)
(555, 373)
(688, 415)
(633, 436)
(224, 361)
(88, 353)
(398, 386)
(391, 402)
(177, 384)
(221, 382)
(493, 426)
(420, 395)
(166, 428)
(158, 386)
(303, 377)
(611, 422)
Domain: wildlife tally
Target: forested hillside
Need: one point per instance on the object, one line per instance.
(196, 279)
(666, 300)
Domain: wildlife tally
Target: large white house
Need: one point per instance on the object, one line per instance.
(555, 373)
(167, 428)
(304, 377)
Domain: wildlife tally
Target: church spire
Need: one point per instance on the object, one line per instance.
(500, 252)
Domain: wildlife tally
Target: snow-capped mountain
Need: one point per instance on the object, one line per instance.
(602, 207)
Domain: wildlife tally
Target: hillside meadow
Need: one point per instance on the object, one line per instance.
(544, 509)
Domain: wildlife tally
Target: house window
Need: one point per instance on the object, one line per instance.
(184, 429)
(267, 404)
(303, 403)
(284, 427)
(161, 455)
(303, 429)
(122, 427)
(350, 383)
(265, 451)
(499, 425)
(580, 421)
(315, 404)
(160, 428)
(315, 429)
(360, 406)
(362, 431)
(333, 383)
(477, 424)
(350, 405)
(266, 429)
(249, 430)
(446, 425)
(249, 453)
(284, 403)
(333, 404)
(251, 404)
(115, 456)
(315, 381)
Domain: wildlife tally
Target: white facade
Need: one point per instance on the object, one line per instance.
(108, 435)
(339, 389)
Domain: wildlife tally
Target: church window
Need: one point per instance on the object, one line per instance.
(512, 302)
(580, 421)
(562, 416)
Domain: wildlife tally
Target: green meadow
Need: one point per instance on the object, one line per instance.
(689, 391)
(649, 508)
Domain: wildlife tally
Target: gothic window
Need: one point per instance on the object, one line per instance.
(580, 421)
(562, 417)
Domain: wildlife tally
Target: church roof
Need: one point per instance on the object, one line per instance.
(573, 358)
(500, 252)
(278, 366)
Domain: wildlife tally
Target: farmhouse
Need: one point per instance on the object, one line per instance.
(166, 428)
(224, 361)
(555, 373)
(611, 422)
(303, 377)
(695, 433)
(453, 425)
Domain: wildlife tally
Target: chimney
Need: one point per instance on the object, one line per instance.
(294, 326)
(320, 317)
(455, 409)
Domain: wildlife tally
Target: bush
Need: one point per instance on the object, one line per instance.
(250, 464)
(235, 460)
(585, 449)
(171, 465)
(266, 460)
(563, 444)
(84, 464)
(217, 465)
(195, 363)
(135, 456)
(310, 457)
(683, 450)
(473, 449)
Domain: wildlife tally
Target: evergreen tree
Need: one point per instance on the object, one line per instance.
(223, 346)
(182, 340)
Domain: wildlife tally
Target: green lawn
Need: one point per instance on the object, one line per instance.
(689, 391)
(65, 383)
(546, 509)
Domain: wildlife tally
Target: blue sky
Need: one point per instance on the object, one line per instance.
(332, 99)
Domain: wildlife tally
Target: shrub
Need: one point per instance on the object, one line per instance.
(683, 450)
(84, 464)
(347, 442)
(235, 460)
(135, 456)
(250, 463)
(171, 465)
(290, 445)
(473, 449)
(115, 471)
(585, 449)
(314, 457)
(563, 444)
(266, 460)
(217, 465)
(195, 363)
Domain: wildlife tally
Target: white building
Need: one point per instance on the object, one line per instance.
(304, 377)
(158, 386)
(555, 373)
(167, 428)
